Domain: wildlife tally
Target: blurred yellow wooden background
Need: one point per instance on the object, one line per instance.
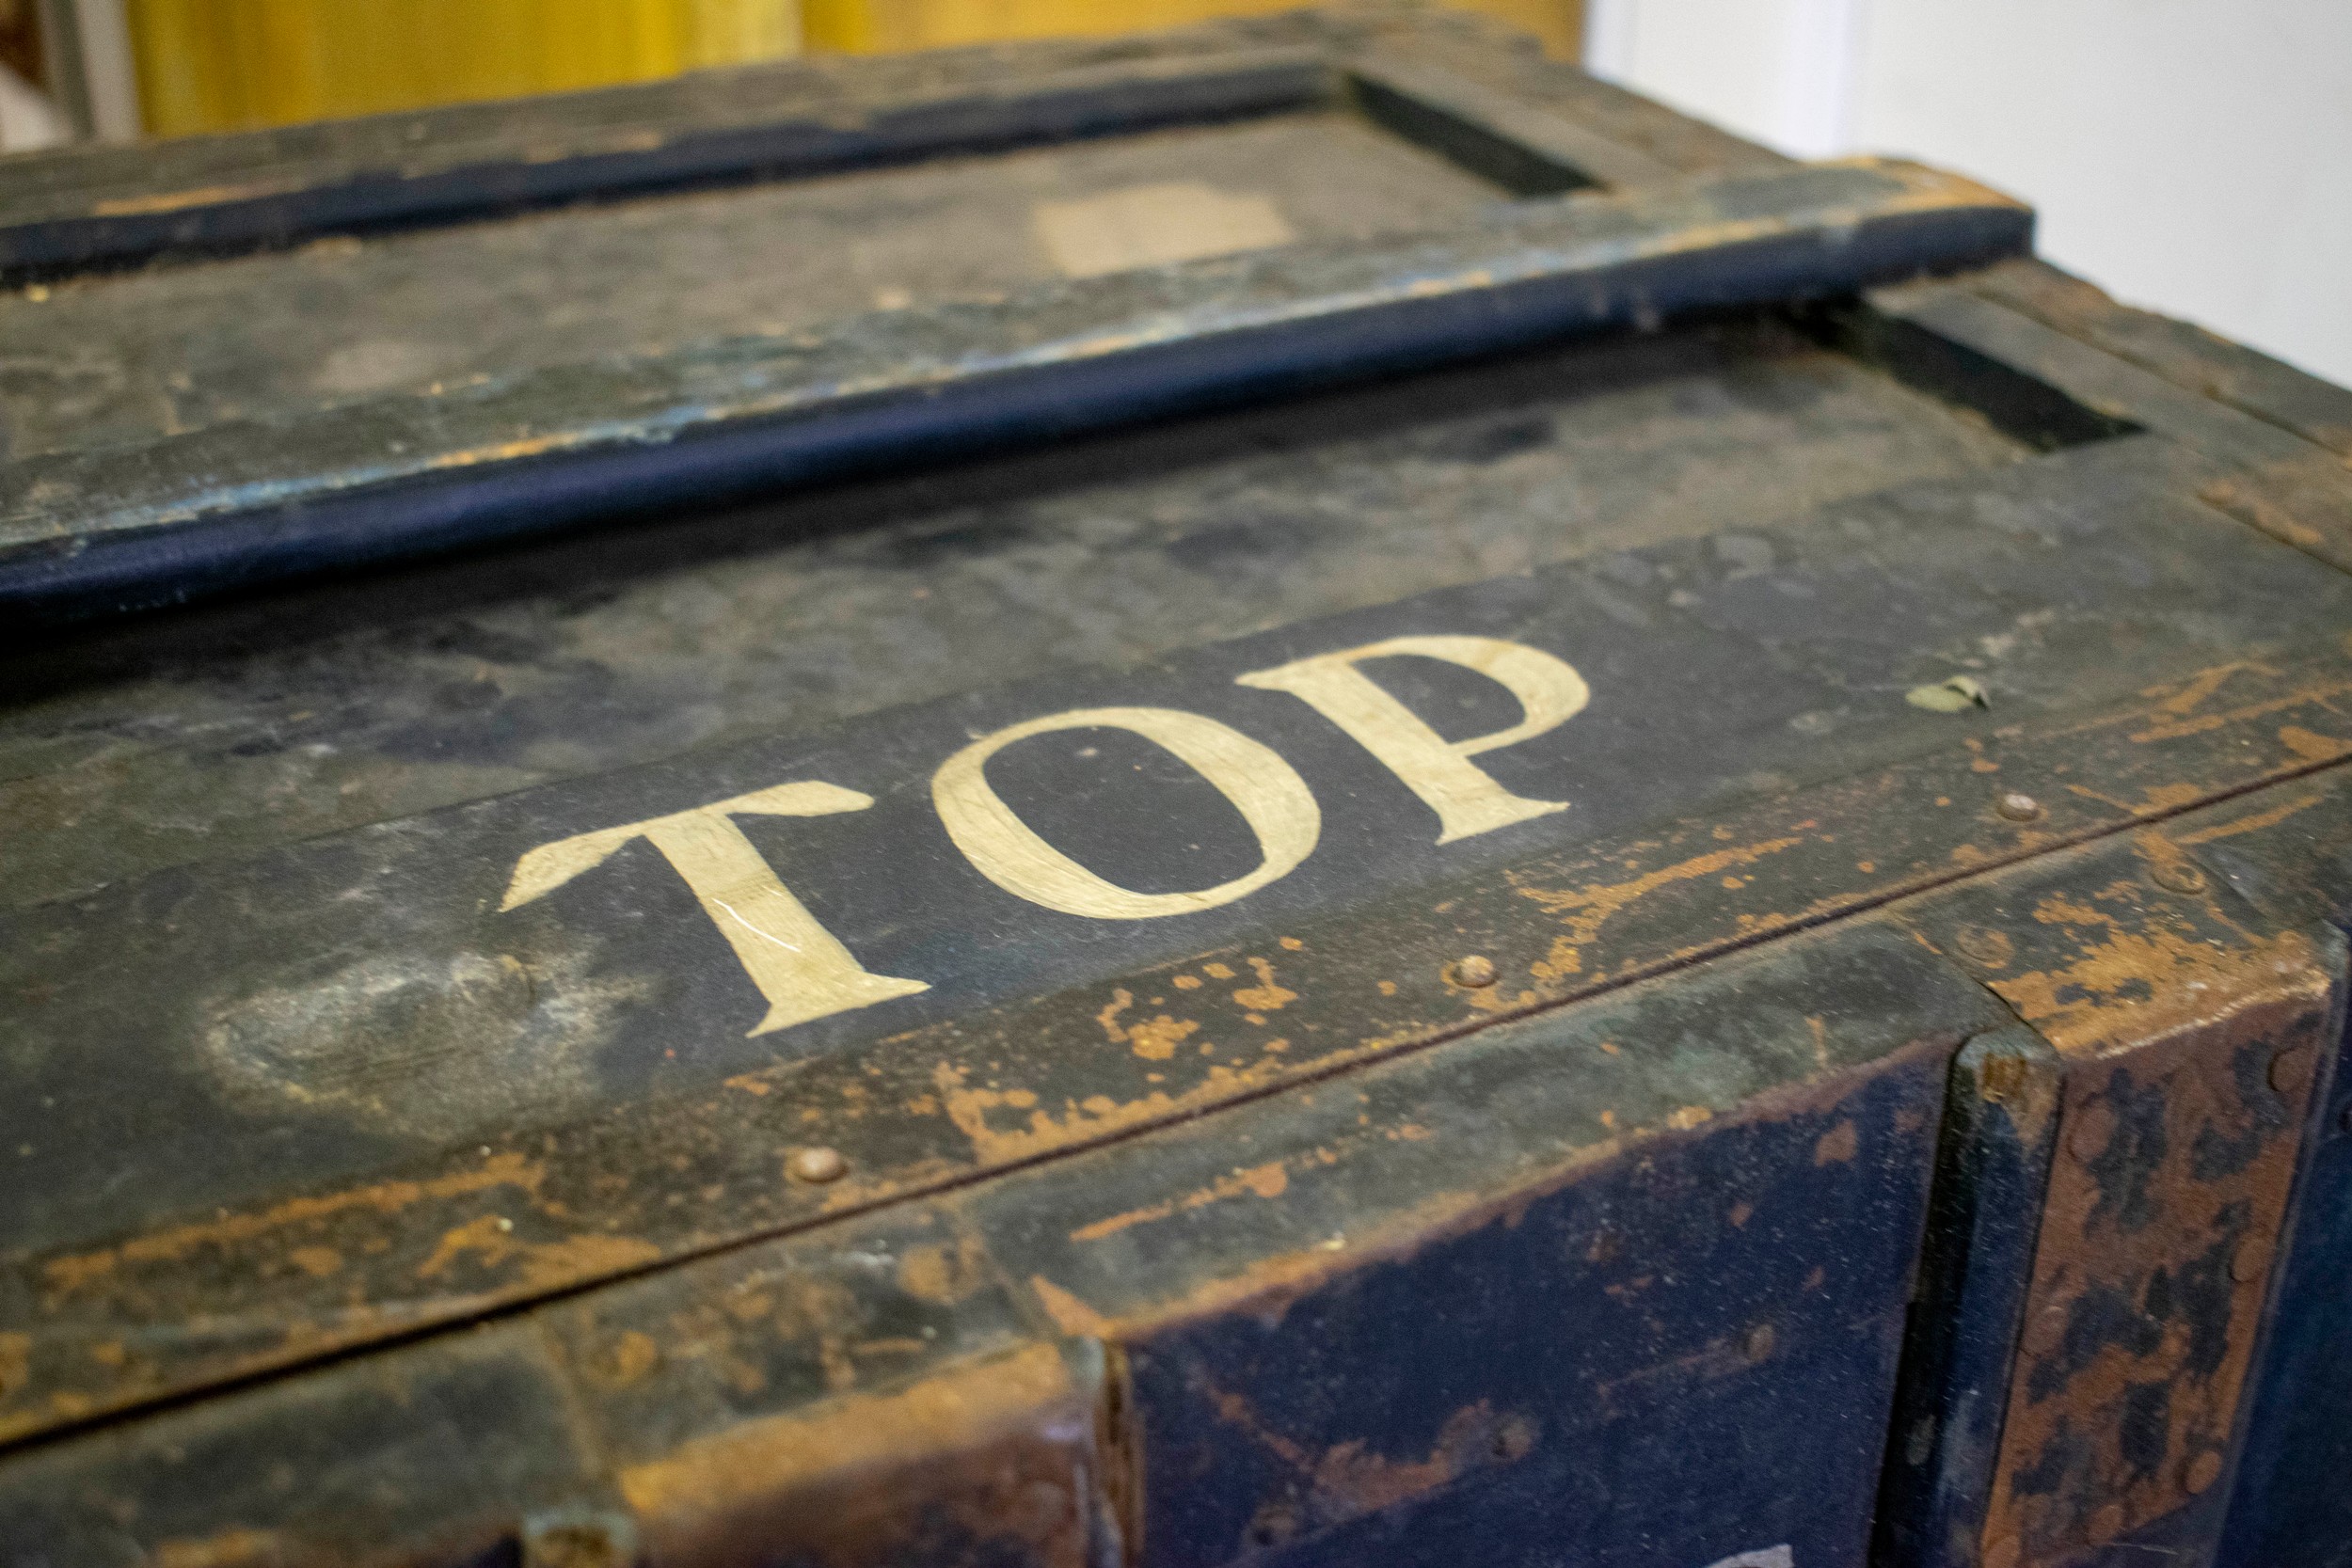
(219, 65)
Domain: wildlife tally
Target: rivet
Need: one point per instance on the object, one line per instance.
(818, 1165)
(2290, 1068)
(1977, 944)
(2180, 876)
(1474, 972)
(1760, 1341)
(2093, 1129)
(2202, 1472)
(2018, 806)
(2253, 1261)
(2003, 1553)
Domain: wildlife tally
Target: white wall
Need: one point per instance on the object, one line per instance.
(27, 119)
(2193, 156)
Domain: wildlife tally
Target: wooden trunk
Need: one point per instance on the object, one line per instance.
(1296, 793)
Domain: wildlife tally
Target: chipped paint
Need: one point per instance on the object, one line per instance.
(1268, 1180)
(2156, 971)
(72, 1275)
(1588, 908)
(999, 1447)
(1265, 996)
(1837, 1146)
(490, 1242)
(1096, 1117)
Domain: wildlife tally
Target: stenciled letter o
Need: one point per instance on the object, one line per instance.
(1271, 796)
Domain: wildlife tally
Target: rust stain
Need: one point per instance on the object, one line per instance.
(1070, 1314)
(631, 1357)
(1120, 1001)
(1265, 996)
(2194, 692)
(2164, 797)
(70, 1274)
(2136, 978)
(230, 1548)
(1097, 1115)
(2311, 747)
(2176, 1154)
(1587, 910)
(1837, 1146)
(2258, 512)
(1236, 1412)
(943, 1273)
(180, 201)
(1268, 1180)
(2180, 728)
(491, 1241)
(751, 1083)
(2253, 824)
(991, 1449)
(1156, 1039)
(316, 1261)
(1351, 1481)
(1266, 1286)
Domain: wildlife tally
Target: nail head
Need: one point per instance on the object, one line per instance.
(2180, 876)
(2018, 806)
(1979, 944)
(818, 1165)
(1474, 971)
(2290, 1068)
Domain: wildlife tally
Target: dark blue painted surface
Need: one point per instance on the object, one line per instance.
(1992, 1168)
(1682, 1359)
(398, 476)
(2292, 1504)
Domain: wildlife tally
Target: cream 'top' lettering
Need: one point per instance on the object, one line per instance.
(1267, 791)
(1465, 797)
(798, 966)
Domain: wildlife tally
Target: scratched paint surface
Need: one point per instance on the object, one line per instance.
(1674, 1227)
(109, 359)
(392, 1113)
(2192, 1026)
(238, 729)
(691, 1390)
(905, 1386)
(1737, 770)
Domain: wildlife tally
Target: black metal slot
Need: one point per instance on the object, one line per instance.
(1521, 169)
(2013, 403)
